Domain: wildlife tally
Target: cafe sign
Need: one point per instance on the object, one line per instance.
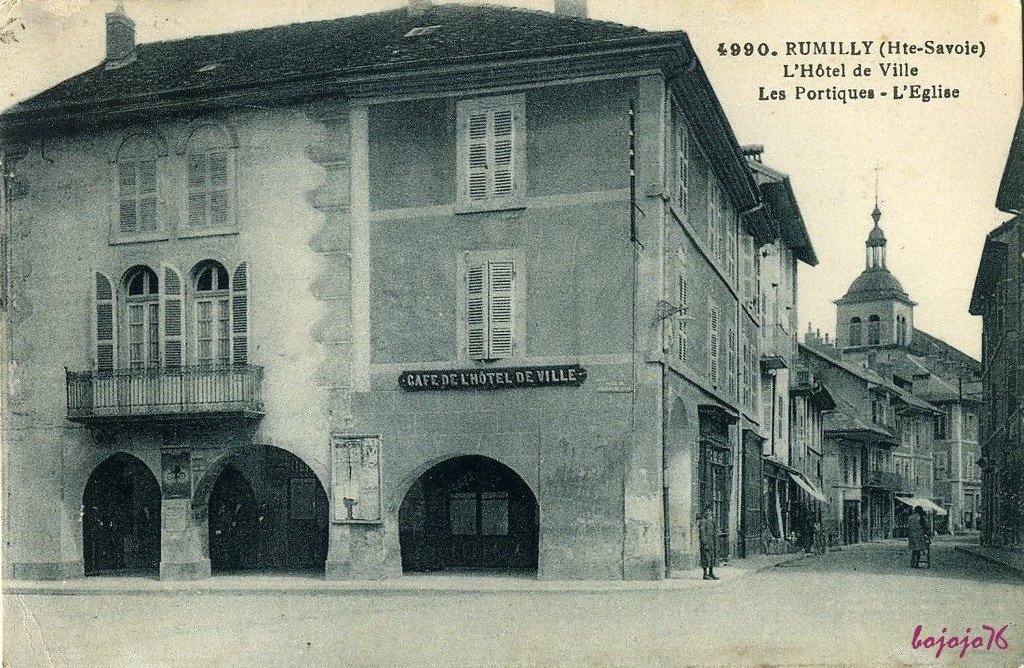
(493, 379)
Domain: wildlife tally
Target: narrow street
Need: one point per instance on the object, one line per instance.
(858, 606)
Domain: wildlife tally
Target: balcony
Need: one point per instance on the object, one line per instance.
(884, 480)
(179, 393)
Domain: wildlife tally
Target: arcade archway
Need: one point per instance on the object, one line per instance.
(274, 517)
(469, 512)
(121, 518)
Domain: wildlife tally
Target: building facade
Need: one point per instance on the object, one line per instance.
(406, 315)
(999, 299)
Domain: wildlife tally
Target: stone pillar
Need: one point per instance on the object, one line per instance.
(643, 550)
(356, 552)
(184, 540)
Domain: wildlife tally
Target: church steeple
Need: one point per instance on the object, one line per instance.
(875, 255)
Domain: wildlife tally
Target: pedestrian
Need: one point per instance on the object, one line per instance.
(707, 532)
(918, 535)
(809, 533)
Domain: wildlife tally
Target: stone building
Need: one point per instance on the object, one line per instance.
(438, 287)
(999, 299)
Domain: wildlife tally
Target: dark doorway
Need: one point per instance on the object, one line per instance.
(233, 522)
(121, 518)
(469, 512)
(851, 522)
(294, 528)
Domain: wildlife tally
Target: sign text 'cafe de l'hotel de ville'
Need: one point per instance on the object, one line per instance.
(442, 286)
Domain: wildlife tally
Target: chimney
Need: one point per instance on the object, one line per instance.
(574, 8)
(120, 37)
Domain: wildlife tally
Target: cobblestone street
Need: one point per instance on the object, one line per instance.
(857, 606)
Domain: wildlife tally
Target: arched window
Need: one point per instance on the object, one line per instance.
(137, 185)
(210, 176)
(854, 331)
(901, 330)
(142, 317)
(874, 330)
(213, 314)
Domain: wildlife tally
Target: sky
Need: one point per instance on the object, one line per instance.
(939, 163)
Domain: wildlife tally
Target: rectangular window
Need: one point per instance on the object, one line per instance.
(137, 187)
(749, 273)
(213, 340)
(491, 153)
(491, 311)
(208, 192)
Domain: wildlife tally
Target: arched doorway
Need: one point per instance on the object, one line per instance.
(273, 518)
(121, 518)
(469, 512)
(233, 523)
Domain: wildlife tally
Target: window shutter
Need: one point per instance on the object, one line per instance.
(477, 159)
(240, 316)
(171, 299)
(503, 129)
(682, 345)
(476, 311)
(105, 334)
(147, 195)
(730, 358)
(196, 189)
(748, 269)
(501, 277)
(219, 189)
(713, 343)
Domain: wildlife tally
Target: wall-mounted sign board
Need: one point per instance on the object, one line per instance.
(493, 379)
(355, 479)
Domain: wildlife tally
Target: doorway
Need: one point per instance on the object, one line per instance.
(121, 518)
(469, 512)
(233, 523)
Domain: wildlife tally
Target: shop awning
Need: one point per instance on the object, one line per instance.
(929, 505)
(808, 486)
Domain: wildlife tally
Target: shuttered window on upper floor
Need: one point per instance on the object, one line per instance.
(210, 177)
(137, 185)
(491, 167)
(491, 315)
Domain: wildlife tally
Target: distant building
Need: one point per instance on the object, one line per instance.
(999, 299)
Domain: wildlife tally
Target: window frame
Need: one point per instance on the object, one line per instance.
(516, 199)
(122, 154)
(197, 144)
(219, 299)
(147, 304)
(469, 259)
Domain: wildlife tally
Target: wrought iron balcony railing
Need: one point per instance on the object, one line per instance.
(183, 391)
(885, 480)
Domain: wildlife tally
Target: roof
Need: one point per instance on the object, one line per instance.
(1010, 197)
(870, 376)
(846, 421)
(778, 193)
(925, 345)
(990, 266)
(377, 41)
(876, 237)
(873, 284)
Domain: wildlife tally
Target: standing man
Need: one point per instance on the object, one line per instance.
(707, 531)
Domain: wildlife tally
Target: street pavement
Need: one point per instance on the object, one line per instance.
(859, 606)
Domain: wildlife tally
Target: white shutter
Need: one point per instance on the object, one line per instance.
(171, 307)
(105, 333)
(730, 359)
(127, 179)
(240, 316)
(476, 311)
(748, 269)
(196, 189)
(682, 344)
(503, 131)
(477, 150)
(713, 343)
(219, 207)
(501, 317)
